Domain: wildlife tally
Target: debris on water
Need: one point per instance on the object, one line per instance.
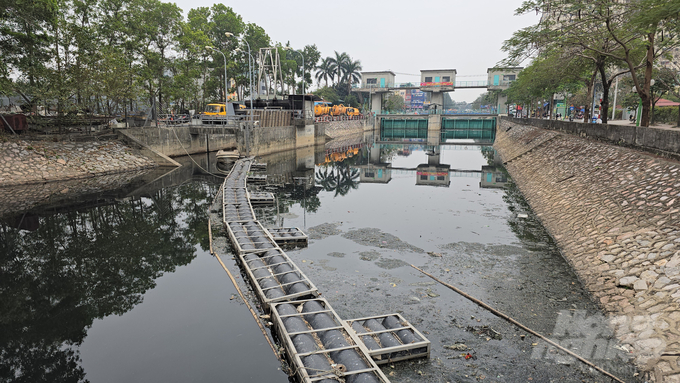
(232, 297)
(377, 238)
(457, 347)
(432, 253)
(324, 230)
(485, 331)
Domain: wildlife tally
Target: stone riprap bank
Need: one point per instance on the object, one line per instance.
(614, 213)
(29, 162)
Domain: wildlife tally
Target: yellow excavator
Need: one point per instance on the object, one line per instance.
(217, 109)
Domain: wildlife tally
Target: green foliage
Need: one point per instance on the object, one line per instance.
(324, 71)
(103, 56)
(547, 75)
(614, 36)
(486, 98)
(394, 103)
(666, 115)
(328, 93)
(351, 100)
(342, 69)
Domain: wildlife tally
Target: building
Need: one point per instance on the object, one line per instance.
(384, 79)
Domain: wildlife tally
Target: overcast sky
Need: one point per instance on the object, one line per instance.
(397, 35)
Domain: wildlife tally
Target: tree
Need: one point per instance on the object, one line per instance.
(312, 56)
(352, 72)
(609, 33)
(338, 64)
(325, 71)
(665, 81)
(158, 25)
(328, 93)
(24, 44)
(394, 103)
(552, 72)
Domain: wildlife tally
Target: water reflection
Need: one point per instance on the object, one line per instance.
(431, 165)
(85, 250)
(71, 260)
(493, 177)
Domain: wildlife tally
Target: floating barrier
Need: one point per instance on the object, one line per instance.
(257, 178)
(389, 338)
(322, 347)
(289, 237)
(261, 198)
(273, 275)
(258, 166)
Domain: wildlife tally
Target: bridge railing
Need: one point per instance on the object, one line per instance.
(425, 112)
(463, 84)
(413, 84)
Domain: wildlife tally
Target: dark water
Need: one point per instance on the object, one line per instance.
(118, 285)
(124, 291)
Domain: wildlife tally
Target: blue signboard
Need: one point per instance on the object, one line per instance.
(417, 99)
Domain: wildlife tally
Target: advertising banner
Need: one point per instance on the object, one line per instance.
(417, 99)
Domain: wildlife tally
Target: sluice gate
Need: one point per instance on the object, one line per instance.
(438, 127)
(468, 128)
(320, 346)
(401, 128)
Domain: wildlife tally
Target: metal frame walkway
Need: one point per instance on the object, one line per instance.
(321, 346)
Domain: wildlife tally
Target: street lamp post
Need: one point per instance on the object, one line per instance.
(250, 84)
(225, 76)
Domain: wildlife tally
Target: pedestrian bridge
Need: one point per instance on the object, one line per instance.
(434, 83)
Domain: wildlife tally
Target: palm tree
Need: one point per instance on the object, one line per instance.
(325, 70)
(338, 64)
(352, 71)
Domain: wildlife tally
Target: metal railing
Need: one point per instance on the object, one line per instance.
(328, 118)
(484, 112)
(463, 84)
(457, 84)
(174, 119)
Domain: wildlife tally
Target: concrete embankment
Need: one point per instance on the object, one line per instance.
(335, 129)
(31, 162)
(614, 212)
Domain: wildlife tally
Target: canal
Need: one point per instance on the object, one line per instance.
(113, 281)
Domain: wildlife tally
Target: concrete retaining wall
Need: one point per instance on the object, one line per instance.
(266, 140)
(651, 139)
(336, 129)
(165, 139)
(615, 215)
(180, 140)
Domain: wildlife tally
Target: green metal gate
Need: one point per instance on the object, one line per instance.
(482, 129)
(400, 128)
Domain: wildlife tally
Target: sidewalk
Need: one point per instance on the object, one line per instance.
(628, 123)
(657, 126)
